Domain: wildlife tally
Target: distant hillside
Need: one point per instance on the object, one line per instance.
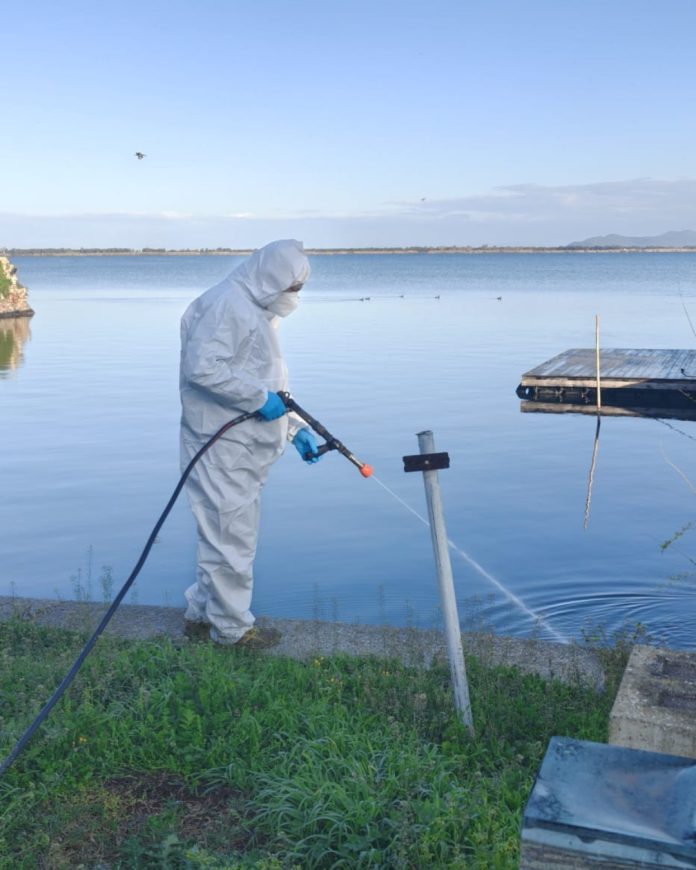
(674, 239)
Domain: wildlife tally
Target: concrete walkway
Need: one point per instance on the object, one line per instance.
(306, 639)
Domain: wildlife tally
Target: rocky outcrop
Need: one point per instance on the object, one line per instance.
(14, 301)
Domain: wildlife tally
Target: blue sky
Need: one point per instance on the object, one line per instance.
(345, 123)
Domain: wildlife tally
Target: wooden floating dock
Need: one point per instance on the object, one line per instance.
(646, 380)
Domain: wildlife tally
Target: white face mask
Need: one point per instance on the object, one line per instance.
(284, 304)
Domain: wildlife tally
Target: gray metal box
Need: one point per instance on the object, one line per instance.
(595, 805)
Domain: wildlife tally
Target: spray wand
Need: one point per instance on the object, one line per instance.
(332, 443)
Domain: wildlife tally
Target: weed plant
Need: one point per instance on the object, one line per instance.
(5, 285)
(203, 757)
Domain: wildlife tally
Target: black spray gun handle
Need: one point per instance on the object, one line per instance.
(321, 450)
(332, 443)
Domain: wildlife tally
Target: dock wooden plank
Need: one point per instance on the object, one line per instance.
(647, 368)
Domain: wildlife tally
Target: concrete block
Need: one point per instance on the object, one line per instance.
(595, 805)
(655, 708)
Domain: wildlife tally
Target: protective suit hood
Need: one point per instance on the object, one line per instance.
(271, 270)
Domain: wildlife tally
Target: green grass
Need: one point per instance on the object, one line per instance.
(200, 757)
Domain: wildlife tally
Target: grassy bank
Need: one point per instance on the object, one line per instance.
(203, 757)
(5, 284)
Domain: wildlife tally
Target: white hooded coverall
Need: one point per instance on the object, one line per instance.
(230, 361)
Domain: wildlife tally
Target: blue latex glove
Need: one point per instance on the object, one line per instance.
(305, 442)
(272, 408)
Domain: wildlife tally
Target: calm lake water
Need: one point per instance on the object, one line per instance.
(90, 415)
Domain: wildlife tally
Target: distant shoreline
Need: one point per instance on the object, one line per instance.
(227, 252)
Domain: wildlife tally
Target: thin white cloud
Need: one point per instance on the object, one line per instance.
(98, 215)
(516, 214)
(176, 215)
(640, 197)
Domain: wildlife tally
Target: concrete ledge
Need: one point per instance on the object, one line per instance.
(655, 708)
(305, 639)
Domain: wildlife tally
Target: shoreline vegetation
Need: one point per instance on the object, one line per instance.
(194, 756)
(465, 249)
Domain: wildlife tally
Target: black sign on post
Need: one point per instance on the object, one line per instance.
(426, 462)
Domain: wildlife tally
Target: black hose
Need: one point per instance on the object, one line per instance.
(70, 676)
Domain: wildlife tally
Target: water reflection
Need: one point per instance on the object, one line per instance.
(676, 407)
(590, 476)
(14, 332)
(651, 404)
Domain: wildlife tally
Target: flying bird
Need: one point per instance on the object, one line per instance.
(140, 155)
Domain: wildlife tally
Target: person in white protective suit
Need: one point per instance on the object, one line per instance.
(231, 363)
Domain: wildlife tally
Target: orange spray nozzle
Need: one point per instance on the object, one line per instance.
(366, 470)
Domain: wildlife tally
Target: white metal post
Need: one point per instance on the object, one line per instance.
(426, 443)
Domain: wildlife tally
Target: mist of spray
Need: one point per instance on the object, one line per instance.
(516, 600)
